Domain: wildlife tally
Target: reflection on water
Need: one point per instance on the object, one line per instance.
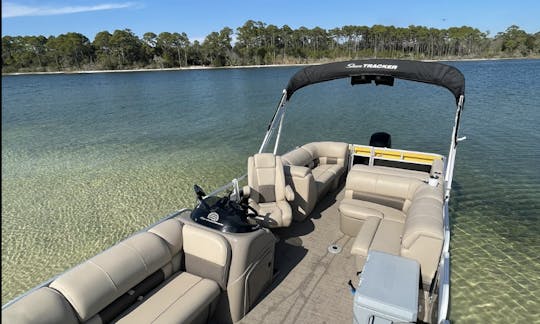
(89, 159)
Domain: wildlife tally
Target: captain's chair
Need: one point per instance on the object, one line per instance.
(267, 191)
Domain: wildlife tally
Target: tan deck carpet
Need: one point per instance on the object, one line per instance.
(311, 285)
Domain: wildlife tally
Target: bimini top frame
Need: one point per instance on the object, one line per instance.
(363, 71)
(382, 71)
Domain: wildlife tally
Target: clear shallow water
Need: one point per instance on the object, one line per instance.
(89, 159)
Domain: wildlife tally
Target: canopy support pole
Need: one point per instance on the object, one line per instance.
(279, 130)
(453, 147)
(278, 115)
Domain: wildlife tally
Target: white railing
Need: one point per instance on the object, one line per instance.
(391, 154)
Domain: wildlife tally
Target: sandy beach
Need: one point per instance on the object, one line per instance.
(202, 67)
(194, 67)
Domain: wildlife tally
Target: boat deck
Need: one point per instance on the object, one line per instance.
(311, 283)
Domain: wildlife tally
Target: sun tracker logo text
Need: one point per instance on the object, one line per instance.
(372, 66)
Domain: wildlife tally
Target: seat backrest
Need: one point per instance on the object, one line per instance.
(207, 253)
(329, 152)
(102, 287)
(385, 189)
(298, 157)
(266, 178)
(423, 232)
(96, 283)
(44, 305)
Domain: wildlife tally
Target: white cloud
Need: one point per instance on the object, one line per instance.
(11, 9)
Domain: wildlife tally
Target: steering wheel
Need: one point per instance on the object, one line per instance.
(255, 212)
(226, 201)
(243, 204)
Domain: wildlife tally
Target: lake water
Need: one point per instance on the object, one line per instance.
(88, 159)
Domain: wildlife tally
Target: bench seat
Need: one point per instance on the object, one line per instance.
(325, 176)
(43, 305)
(186, 298)
(377, 234)
(394, 211)
(354, 213)
(420, 175)
(141, 279)
(312, 170)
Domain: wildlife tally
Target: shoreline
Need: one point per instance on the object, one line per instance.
(201, 67)
(184, 68)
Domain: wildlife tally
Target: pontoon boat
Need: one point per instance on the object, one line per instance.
(329, 232)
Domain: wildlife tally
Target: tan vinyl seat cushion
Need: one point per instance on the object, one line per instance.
(363, 240)
(207, 254)
(94, 284)
(388, 237)
(138, 281)
(360, 209)
(299, 157)
(378, 234)
(268, 193)
(420, 175)
(186, 298)
(332, 160)
(390, 190)
(313, 170)
(44, 305)
(394, 211)
(324, 175)
(274, 213)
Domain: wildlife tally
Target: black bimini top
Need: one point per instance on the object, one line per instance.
(428, 72)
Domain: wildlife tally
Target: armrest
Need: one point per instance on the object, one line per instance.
(363, 239)
(289, 193)
(296, 171)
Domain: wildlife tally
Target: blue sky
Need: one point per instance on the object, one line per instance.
(198, 18)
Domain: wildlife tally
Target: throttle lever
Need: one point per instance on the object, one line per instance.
(199, 192)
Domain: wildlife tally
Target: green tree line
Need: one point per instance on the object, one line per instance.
(257, 43)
